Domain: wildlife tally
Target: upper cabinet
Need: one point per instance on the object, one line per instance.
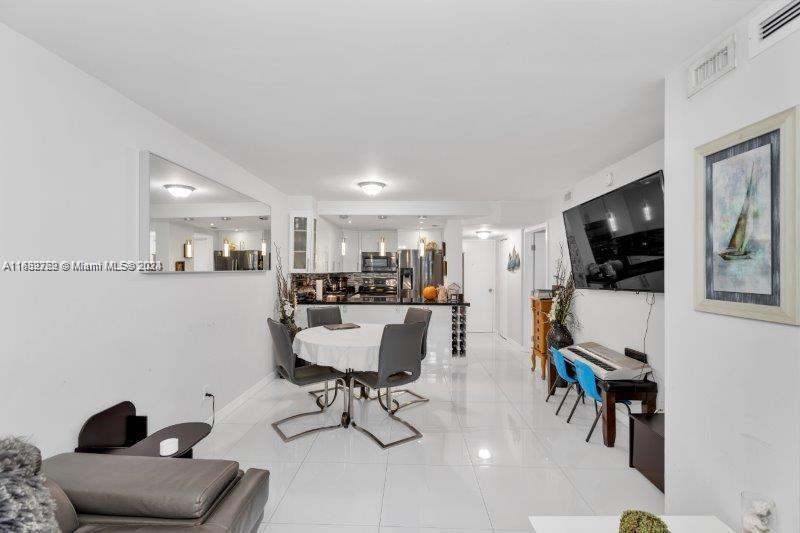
(302, 237)
(351, 259)
(409, 239)
(371, 240)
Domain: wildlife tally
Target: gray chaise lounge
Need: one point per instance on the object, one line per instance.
(122, 494)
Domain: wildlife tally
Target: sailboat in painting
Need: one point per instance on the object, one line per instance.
(737, 246)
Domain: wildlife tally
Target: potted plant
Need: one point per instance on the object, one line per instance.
(287, 299)
(562, 314)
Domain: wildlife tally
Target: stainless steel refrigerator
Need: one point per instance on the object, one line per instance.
(432, 266)
(408, 274)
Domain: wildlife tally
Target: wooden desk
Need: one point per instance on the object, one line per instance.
(614, 391)
(540, 307)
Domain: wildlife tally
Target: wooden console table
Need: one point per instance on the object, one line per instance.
(539, 328)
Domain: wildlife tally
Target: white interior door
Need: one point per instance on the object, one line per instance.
(479, 280)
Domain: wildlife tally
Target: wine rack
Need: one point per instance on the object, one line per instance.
(459, 338)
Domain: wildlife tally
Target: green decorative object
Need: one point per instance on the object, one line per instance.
(641, 522)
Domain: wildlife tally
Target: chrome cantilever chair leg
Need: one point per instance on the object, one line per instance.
(390, 401)
(318, 394)
(325, 396)
(420, 399)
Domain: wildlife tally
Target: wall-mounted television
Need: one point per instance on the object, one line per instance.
(616, 241)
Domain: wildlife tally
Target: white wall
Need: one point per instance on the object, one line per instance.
(733, 395)
(452, 236)
(509, 299)
(614, 319)
(75, 343)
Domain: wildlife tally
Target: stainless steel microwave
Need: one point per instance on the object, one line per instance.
(375, 262)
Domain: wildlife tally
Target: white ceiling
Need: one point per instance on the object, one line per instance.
(443, 99)
(164, 172)
(372, 222)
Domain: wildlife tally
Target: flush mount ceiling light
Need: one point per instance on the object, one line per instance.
(226, 218)
(371, 188)
(483, 233)
(188, 219)
(382, 217)
(212, 224)
(179, 191)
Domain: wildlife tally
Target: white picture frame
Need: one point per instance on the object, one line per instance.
(786, 306)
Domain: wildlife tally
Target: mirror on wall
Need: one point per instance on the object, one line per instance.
(199, 225)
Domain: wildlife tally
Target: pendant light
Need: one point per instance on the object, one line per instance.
(612, 222)
(382, 246)
(648, 215)
(188, 249)
(264, 247)
(344, 245)
(226, 249)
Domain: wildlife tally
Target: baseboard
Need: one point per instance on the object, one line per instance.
(232, 405)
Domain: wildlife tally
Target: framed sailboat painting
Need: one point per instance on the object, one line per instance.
(747, 225)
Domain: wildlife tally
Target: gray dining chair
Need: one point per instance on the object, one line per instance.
(416, 315)
(399, 363)
(286, 360)
(323, 316)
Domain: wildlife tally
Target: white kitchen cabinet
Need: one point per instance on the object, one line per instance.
(302, 237)
(370, 240)
(409, 239)
(351, 260)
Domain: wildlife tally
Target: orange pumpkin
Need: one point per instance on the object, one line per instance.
(429, 292)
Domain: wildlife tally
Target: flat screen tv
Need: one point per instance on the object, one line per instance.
(616, 241)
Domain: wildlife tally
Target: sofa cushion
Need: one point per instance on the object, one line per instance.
(140, 486)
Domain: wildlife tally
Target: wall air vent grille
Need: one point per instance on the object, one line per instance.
(711, 65)
(773, 23)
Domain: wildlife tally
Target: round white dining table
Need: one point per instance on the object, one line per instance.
(345, 349)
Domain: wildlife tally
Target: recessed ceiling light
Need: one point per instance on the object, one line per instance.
(483, 233)
(349, 221)
(225, 218)
(237, 229)
(382, 217)
(212, 224)
(188, 219)
(483, 453)
(344, 217)
(422, 217)
(371, 188)
(179, 191)
(266, 217)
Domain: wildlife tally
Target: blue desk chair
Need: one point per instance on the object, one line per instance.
(561, 369)
(588, 382)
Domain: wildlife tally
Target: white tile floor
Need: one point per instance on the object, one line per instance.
(492, 454)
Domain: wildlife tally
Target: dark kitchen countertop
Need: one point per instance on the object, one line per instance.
(358, 301)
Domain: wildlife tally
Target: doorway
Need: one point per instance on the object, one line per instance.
(536, 272)
(479, 276)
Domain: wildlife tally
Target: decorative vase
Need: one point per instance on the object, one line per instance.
(559, 337)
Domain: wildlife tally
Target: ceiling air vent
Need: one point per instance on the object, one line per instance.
(711, 65)
(568, 196)
(772, 24)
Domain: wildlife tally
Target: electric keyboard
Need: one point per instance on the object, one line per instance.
(606, 364)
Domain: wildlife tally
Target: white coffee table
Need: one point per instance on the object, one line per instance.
(610, 524)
